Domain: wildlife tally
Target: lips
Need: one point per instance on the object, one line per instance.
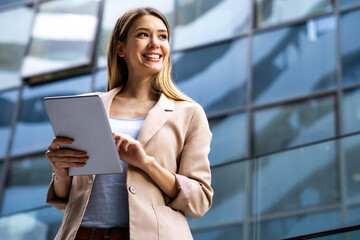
(155, 56)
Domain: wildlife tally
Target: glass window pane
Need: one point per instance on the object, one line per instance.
(11, 2)
(295, 124)
(296, 180)
(297, 225)
(229, 140)
(350, 47)
(349, 3)
(62, 36)
(15, 25)
(351, 151)
(27, 184)
(215, 76)
(41, 224)
(229, 199)
(203, 21)
(270, 12)
(8, 102)
(101, 79)
(33, 130)
(294, 61)
(114, 9)
(351, 111)
(224, 233)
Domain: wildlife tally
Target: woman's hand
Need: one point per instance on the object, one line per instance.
(131, 151)
(62, 159)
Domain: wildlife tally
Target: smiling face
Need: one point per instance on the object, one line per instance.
(146, 47)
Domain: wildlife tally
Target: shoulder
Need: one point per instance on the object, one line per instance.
(193, 111)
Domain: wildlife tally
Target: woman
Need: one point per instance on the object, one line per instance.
(161, 135)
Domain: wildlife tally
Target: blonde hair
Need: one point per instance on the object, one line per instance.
(117, 68)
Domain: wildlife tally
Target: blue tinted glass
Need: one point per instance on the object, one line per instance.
(295, 124)
(8, 101)
(350, 47)
(40, 224)
(229, 140)
(349, 3)
(101, 81)
(33, 130)
(62, 37)
(27, 184)
(294, 61)
(10, 2)
(296, 179)
(224, 233)
(351, 151)
(297, 225)
(351, 111)
(202, 21)
(229, 201)
(353, 216)
(214, 76)
(15, 26)
(270, 12)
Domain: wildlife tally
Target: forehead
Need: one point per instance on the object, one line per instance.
(148, 21)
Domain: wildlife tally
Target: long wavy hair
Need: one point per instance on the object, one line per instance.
(117, 67)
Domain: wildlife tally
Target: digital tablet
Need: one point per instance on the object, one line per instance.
(83, 118)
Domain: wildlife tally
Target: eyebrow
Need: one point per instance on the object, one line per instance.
(147, 29)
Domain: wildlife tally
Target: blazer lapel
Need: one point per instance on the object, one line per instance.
(108, 97)
(155, 119)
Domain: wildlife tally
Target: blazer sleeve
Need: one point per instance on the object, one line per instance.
(194, 177)
(59, 204)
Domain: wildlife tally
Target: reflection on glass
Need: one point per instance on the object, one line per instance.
(114, 9)
(351, 151)
(295, 124)
(41, 224)
(297, 225)
(350, 47)
(224, 233)
(7, 105)
(228, 206)
(349, 3)
(15, 29)
(297, 179)
(351, 111)
(294, 61)
(215, 76)
(353, 215)
(229, 140)
(270, 12)
(33, 130)
(27, 184)
(10, 2)
(101, 79)
(62, 36)
(204, 21)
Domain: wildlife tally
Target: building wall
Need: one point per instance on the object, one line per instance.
(279, 81)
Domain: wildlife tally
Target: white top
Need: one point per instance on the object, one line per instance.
(108, 204)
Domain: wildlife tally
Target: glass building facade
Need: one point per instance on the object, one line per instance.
(279, 81)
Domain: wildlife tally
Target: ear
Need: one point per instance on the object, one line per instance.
(120, 49)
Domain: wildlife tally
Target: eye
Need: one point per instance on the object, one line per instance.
(164, 36)
(143, 35)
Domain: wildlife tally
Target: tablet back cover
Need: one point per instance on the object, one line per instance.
(83, 118)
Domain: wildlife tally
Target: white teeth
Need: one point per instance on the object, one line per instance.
(153, 56)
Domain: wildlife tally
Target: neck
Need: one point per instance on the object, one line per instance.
(139, 88)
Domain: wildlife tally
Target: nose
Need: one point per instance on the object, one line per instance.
(154, 44)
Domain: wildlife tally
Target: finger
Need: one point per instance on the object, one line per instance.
(64, 165)
(59, 140)
(65, 153)
(62, 160)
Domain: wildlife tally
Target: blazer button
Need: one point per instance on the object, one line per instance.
(132, 189)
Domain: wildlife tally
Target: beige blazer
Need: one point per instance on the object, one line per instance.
(177, 135)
